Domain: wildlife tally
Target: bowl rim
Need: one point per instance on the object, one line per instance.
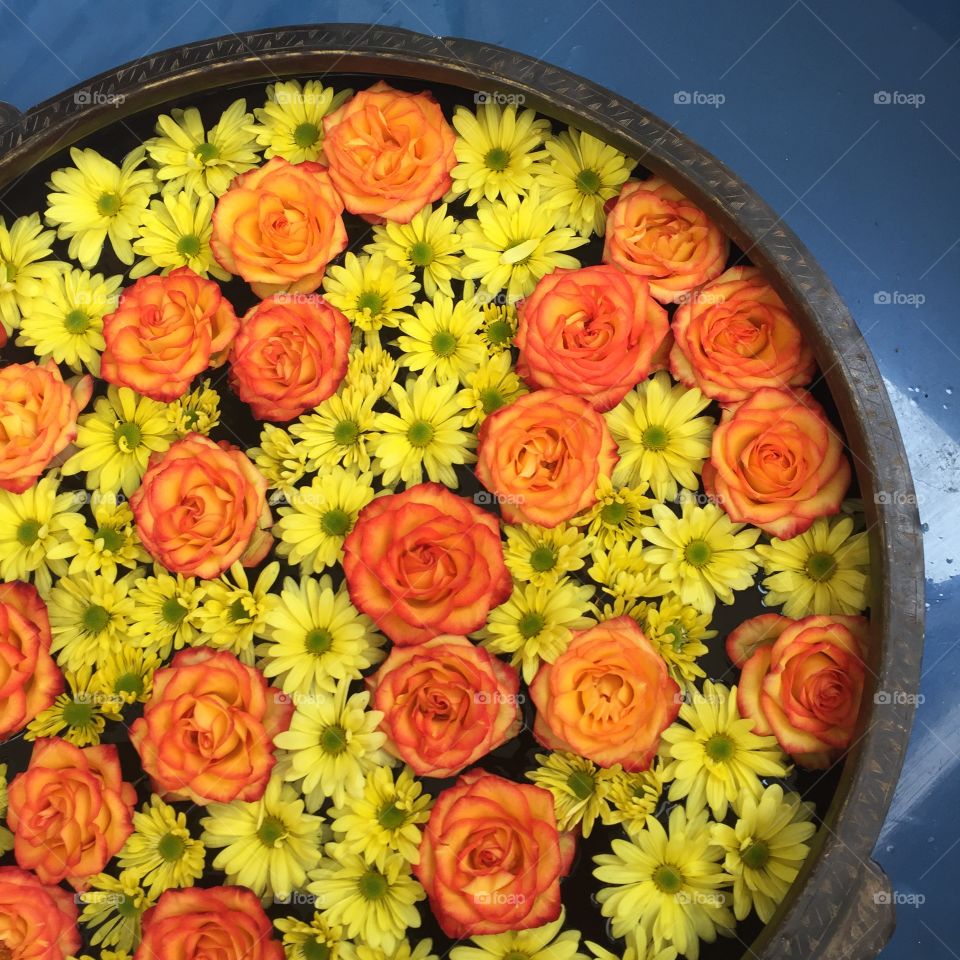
(826, 902)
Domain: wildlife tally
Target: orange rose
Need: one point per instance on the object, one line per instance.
(202, 506)
(29, 679)
(776, 462)
(390, 152)
(591, 332)
(425, 562)
(446, 703)
(164, 332)
(278, 227)
(37, 922)
(542, 456)
(753, 633)
(207, 731)
(491, 857)
(70, 811)
(290, 354)
(805, 687)
(215, 923)
(654, 232)
(607, 697)
(38, 418)
(735, 336)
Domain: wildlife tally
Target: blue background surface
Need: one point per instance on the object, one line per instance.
(870, 187)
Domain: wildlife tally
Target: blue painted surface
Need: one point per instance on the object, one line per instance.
(870, 187)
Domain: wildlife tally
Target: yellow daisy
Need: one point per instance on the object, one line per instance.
(195, 412)
(24, 270)
(424, 435)
(281, 460)
(125, 677)
(95, 200)
(370, 369)
(116, 440)
(77, 715)
(543, 555)
(678, 630)
(637, 946)
(166, 612)
(623, 572)
(497, 150)
(114, 906)
(618, 516)
(701, 553)
(577, 787)
(632, 797)
(338, 431)
(64, 321)
(113, 542)
(429, 242)
(197, 161)
(371, 291)
(826, 570)
(290, 123)
(6, 837)
(401, 950)
(442, 341)
(489, 387)
(545, 942)
(499, 324)
(317, 940)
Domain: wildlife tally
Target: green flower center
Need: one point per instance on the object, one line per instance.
(420, 433)
(129, 683)
(719, 748)
(756, 855)
(531, 623)
(346, 433)
(499, 332)
(543, 559)
(127, 908)
(76, 322)
(491, 399)
(614, 513)
(270, 831)
(654, 438)
(318, 641)
(516, 955)
(77, 713)
(582, 784)
(108, 204)
(95, 618)
(372, 885)
(127, 436)
(679, 634)
(112, 540)
(820, 566)
(444, 343)
(370, 301)
(588, 181)
(188, 245)
(497, 159)
(171, 847)
(315, 950)
(335, 522)
(205, 152)
(237, 611)
(28, 532)
(421, 254)
(697, 553)
(306, 135)
(668, 879)
(172, 611)
(391, 817)
(333, 739)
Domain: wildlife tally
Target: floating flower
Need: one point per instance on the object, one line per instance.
(306, 941)
(114, 906)
(618, 516)
(24, 269)
(633, 796)
(679, 631)
(623, 572)
(195, 412)
(126, 677)
(489, 387)
(165, 613)
(536, 943)
(577, 787)
(39, 920)
(112, 543)
(402, 951)
(638, 946)
(338, 431)
(544, 555)
(76, 716)
(371, 369)
(281, 460)
(499, 326)
(372, 291)
(442, 341)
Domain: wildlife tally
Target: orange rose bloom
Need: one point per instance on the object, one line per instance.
(290, 354)
(753, 633)
(491, 857)
(776, 462)
(164, 332)
(446, 703)
(202, 506)
(70, 811)
(654, 232)
(735, 336)
(278, 226)
(29, 679)
(390, 152)
(805, 688)
(38, 418)
(591, 332)
(207, 731)
(425, 562)
(607, 697)
(542, 456)
(215, 923)
(37, 922)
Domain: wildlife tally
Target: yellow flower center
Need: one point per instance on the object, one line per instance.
(77, 713)
(95, 618)
(127, 437)
(76, 322)
(112, 540)
(491, 399)
(306, 135)
(318, 641)
(346, 432)
(820, 566)
(614, 513)
(206, 152)
(335, 522)
(697, 553)
(372, 885)
(108, 204)
(588, 181)
(444, 343)
(497, 159)
(271, 831)
(371, 302)
(129, 683)
(172, 610)
(543, 559)
(654, 438)
(756, 855)
(667, 878)
(719, 748)
(391, 817)
(315, 950)
(582, 784)
(333, 739)
(531, 623)
(421, 254)
(188, 245)
(127, 907)
(420, 433)
(171, 847)
(28, 533)
(237, 611)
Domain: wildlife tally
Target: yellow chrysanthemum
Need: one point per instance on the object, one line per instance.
(175, 232)
(424, 435)
(618, 516)
(24, 269)
(714, 755)
(497, 151)
(312, 528)
(489, 387)
(370, 369)
(826, 570)
(633, 797)
(577, 787)
(114, 906)
(125, 677)
(623, 572)
(371, 291)
(535, 623)
(637, 946)
(160, 852)
(582, 175)
(281, 460)
(429, 242)
(290, 123)
(268, 844)
(165, 612)
(338, 431)
(385, 818)
(197, 161)
(95, 200)
(701, 553)
(116, 440)
(545, 942)
(401, 950)
(513, 243)
(64, 320)
(310, 941)
(113, 542)
(678, 631)
(442, 340)
(499, 324)
(6, 837)
(195, 412)
(660, 437)
(542, 555)
(77, 715)
(765, 849)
